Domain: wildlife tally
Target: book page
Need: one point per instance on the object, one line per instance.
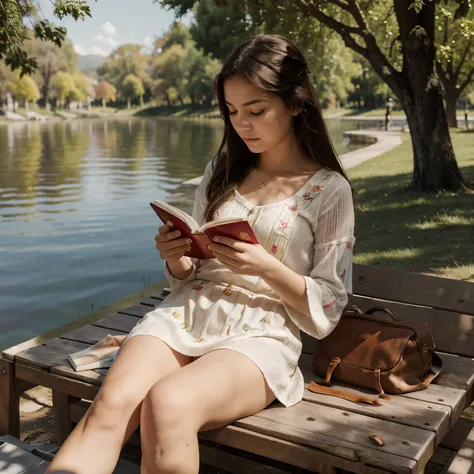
(189, 220)
(228, 220)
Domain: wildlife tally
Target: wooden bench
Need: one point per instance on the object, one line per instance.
(319, 434)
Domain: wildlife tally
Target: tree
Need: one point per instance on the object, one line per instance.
(25, 88)
(218, 30)
(407, 67)
(63, 87)
(15, 20)
(124, 60)
(132, 88)
(51, 59)
(105, 91)
(455, 53)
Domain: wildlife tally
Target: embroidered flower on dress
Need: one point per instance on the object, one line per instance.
(201, 340)
(349, 245)
(176, 314)
(294, 207)
(342, 276)
(307, 196)
(318, 188)
(167, 310)
(274, 249)
(228, 330)
(283, 225)
(197, 287)
(330, 305)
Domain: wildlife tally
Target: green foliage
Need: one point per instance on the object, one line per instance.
(218, 30)
(132, 87)
(180, 71)
(124, 60)
(15, 18)
(24, 88)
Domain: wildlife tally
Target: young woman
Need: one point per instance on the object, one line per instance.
(225, 343)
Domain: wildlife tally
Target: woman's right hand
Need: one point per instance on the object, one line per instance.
(169, 244)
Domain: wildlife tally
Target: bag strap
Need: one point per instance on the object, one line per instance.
(352, 397)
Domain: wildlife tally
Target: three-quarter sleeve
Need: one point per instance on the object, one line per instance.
(200, 203)
(330, 280)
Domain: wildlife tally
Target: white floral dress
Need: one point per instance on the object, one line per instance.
(312, 232)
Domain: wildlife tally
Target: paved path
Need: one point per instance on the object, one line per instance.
(381, 142)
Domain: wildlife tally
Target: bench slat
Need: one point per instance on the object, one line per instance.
(344, 434)
(405, 411)
(463, 462)
(413, 288)
(452, 331)
(119, 322)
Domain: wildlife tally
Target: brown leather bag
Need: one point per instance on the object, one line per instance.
(374, 352)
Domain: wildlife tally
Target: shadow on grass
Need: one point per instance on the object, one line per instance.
(414, 231)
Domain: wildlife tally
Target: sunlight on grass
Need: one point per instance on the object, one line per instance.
(413, 231)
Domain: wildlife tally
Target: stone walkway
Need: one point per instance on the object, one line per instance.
(379, 142)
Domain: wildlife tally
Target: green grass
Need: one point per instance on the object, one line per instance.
(424, 233)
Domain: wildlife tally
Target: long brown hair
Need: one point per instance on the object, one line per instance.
(273, 64)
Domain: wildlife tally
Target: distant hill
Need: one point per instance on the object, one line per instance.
(90, 62)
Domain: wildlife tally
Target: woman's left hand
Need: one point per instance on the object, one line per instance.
(241, 257)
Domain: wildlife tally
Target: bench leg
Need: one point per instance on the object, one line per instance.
(62, 415)
(9, 400)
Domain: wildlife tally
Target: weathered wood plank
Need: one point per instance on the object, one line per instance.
(90, 334)
(458, 434)
(405, 411)
(92, 377)
(136, 310)
(320, 426)
(432, 397)
(463, 463)
(50, 354)
(119, 322)
(67, 385)
(62, 420)
(413, 288)
(15, 460)
(299, 455)
(452, 331)
(9, 400)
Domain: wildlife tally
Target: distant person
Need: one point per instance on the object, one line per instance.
(388, 114)
(226, 341)
(466, 116)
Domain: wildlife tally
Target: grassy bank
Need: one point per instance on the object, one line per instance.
(415, 231)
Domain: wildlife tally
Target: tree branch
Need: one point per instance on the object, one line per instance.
(464, 56)
(469, 78)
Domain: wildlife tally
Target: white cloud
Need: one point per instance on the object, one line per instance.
(80, 50)
(106, 39)
(99, 51)
(108, 29)
(93, 50)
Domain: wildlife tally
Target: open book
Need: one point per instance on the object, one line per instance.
(201, 236)
(100, 355)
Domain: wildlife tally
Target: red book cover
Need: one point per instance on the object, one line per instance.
(238, 229)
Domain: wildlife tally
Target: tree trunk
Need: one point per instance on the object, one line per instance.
(422, 94)
(128, 103)
(27, 109)
(451, 100)
(103, 103)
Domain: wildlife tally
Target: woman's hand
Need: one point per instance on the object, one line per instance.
(171, 247)
(243, 258)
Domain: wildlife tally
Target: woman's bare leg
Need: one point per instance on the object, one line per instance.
(214, 390)
(94, 445)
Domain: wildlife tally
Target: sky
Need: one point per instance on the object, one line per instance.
(114, 22)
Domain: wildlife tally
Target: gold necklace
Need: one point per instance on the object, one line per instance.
(264, 183)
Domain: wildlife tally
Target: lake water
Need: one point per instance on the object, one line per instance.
(76, 228)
